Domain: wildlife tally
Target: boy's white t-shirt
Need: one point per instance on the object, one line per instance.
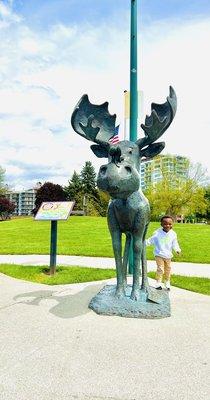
(164, 243)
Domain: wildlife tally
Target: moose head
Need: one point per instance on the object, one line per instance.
(120, 177)
(128, 211)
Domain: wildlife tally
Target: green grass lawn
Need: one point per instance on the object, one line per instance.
(192, 283)
(63, 275)
(89, 236)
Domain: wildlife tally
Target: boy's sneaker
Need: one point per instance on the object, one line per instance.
(167, 285)
(158, 285)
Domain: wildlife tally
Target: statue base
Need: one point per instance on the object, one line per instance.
(150, 305)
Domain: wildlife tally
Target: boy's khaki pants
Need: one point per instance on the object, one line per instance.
(163, 267)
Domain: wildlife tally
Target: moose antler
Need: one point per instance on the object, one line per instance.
(93, 122)
(156, 124)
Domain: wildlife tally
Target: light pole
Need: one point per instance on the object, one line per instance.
(133, 73)
(133, 91)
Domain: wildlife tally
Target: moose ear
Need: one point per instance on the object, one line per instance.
(152, 150)
(99, 151)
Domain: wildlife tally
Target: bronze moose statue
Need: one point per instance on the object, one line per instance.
(129, 210)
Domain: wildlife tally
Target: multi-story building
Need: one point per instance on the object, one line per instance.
(24, 200)
(151, 171)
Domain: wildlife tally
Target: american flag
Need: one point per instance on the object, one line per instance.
(115, 138)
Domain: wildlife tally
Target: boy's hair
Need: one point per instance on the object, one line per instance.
(166, 216)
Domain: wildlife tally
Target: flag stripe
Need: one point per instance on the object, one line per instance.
(115, 138)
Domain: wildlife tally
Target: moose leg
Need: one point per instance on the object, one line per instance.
(137, 253)
(117, 248)
(126, 256)
(144, 283)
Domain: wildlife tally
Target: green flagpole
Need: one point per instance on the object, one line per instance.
(133, 90)
(133, 73)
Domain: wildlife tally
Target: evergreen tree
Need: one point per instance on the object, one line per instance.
(89, 190)
(82, 189)
(88, 178)
(2, 187)
(74, 191)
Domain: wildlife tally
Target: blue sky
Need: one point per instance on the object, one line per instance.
(53, 51)
(43, 13)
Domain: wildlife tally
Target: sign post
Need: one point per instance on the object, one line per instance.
(54, 211)
(53, 247)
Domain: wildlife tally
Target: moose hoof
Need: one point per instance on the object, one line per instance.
(120, 292)
(135, 294)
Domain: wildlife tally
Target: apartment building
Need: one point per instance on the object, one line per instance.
(24, 201)
(151, 170)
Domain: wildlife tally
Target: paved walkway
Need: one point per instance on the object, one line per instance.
(187, 269)
(53, 347)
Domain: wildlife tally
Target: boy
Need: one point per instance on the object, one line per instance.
(165, 240)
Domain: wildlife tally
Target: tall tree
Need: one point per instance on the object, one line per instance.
(89, 189)
(207, 198)
(206, 214)
(176, 195)
(198, 173)
(74, 190)
(6, 208)
(88, 178)
(48, 192)
(102, 203)
(2, 177)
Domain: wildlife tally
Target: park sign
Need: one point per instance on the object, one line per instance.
(54, 210)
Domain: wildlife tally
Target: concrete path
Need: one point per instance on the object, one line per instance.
(52, 347)
(188, 269)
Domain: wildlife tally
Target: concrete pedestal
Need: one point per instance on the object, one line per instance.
(151, 305)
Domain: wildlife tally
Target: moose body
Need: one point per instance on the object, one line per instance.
(128, 211)
(131, 217)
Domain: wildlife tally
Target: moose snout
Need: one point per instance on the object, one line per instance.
(110, 169)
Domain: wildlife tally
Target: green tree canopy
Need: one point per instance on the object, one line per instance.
(102, 203)
(89, 189)
(207, 198)
(83, 190)
(206, 214)
(74, 190)
(88, 179)
(2, 177)
(176, 195)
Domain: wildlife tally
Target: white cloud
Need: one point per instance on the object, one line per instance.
(180, 58)
(43, 75)
(7, 15)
